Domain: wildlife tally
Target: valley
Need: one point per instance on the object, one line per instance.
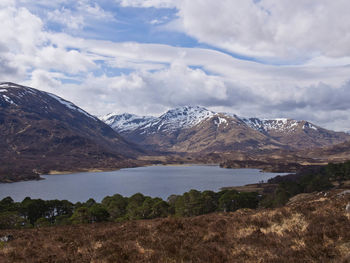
(43, 133)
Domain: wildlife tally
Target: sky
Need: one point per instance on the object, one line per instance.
(254, 58)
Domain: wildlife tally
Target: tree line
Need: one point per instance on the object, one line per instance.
(117, 208)
(312, 179)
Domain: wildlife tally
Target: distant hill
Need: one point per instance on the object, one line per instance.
(334, 153)
(196, 129)
(41, 132)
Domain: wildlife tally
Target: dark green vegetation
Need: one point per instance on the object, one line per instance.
(37, 212)
(313, 179)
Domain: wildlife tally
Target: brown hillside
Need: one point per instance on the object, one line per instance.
(223, 134)
(42, 132)
(311, 228)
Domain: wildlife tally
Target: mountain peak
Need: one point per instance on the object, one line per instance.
(187, 109)
(185, 117)
(126, 121)
(12, 94)
(11, 85)
(182, 117)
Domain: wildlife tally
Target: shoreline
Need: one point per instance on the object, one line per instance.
(110, 169)
(57, 172)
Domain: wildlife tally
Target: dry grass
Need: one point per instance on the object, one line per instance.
(306, 230)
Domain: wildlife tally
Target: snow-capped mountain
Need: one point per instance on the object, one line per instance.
(278, 125)
(168, 130)
(189, 116)
(20, 93)
(171, 121)
(182, 118)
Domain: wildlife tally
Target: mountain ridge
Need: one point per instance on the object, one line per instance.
(166, 131)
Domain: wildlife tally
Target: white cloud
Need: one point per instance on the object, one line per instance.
(148, 3)
(67, 18)
(92, 9)
(84, 13)
(269, 29)
(20, 28)
(7, 3)
(68, 61)
(146, 92)
(48, 80)
(272, 28)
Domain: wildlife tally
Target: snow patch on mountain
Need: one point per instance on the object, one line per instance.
(266, 125)
(310, 126)
(8, 100)
(127, 122)
(220, 121)
(8, 85)
(71, 105)
(183, 117)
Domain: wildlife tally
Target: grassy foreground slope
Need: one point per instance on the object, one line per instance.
(312, 227)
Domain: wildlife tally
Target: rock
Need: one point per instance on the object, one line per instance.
(6, 238)
(347, 208)
(344, 193)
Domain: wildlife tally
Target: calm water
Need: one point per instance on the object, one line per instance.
(155, 181)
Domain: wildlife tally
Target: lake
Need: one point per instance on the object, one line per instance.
(155, 181)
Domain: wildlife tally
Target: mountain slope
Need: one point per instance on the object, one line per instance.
(222, 133)
(196, 129)
(42, 132)
(297, 134)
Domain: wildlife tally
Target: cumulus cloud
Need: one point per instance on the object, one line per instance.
(25, 45)
(7, 71)
(48, 80)
(154, 92)
(83, 13)
(286, 31)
